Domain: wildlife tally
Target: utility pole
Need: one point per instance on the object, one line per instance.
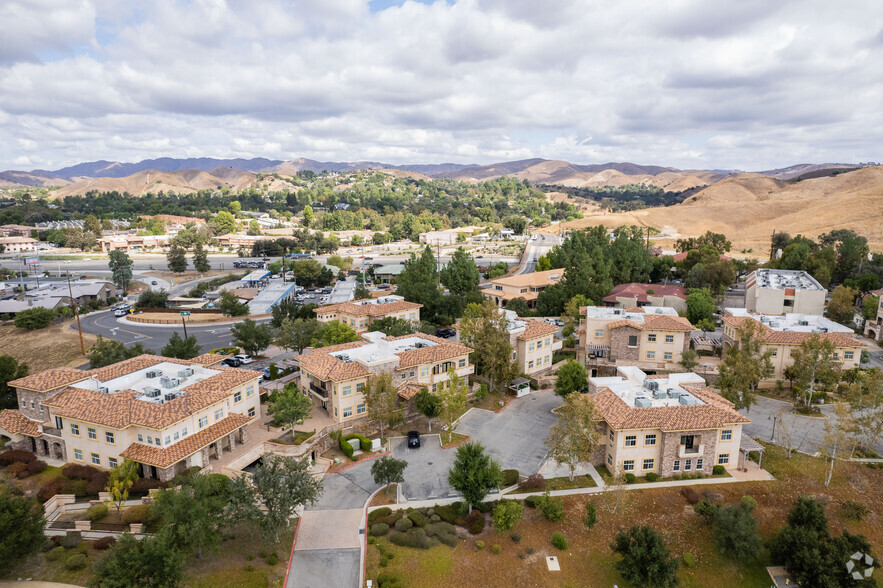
(76, 312)
(184, 324)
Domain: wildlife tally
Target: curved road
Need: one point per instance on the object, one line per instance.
(154, 337)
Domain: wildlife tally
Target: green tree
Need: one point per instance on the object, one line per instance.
(181, 348)
(814, 366)
(344, 263)
(334, 334)
(200, 259)
(121, 268)
(292, 310)
(10, 369)
(461, 275)
(744, 366)
(571, 317)
(388, 470)
(34, 318)
(572, 377)
(235, 208)
(254, 228)
(428, 404)
(361, 293)
(518, 306)
(21, 528)
(289, 406)
(92, 225)
(105, 352)
(474, 473)
(393, 326)
(283, 485)
(870, 303)
(646, 560)
(736, 533)
(507, 514)
(689, 360)
(309, 216)
(225, 223)
(177, 259)
(296, 335)
(251, 336)
(418, 282)
(153, 299)
(575, 437)
(841, 305)
(485, 329)
(231, 306)
(452, 397)
(150, 562)
(381, 399)
(119, 482)
(700, 305)
(193, 516)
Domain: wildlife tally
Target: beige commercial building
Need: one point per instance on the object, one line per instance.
(18, 244)
(650, 337)
(526, 286)
(360, 314)
(774, 291)
(166, 414)
(666, 425)
(335, 377)
(784, 333)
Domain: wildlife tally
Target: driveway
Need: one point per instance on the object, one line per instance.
(516, 436)
(348, 489)
(426, 477)
(327, 551)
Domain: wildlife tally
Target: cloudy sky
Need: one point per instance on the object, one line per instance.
(752, 84)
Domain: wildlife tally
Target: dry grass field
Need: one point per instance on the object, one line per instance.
(56, 345)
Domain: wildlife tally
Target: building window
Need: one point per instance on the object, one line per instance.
(726, 435)
(403, 375)
(140, 438)
(335, 411)
(611, 434)
(631, 440)
(530, 347)
(202, 423)
(360, 388)
(249, 392)
(599, 332)
(547, 359)
(58, 423)
(650, 440)
(149, 440)
(651, 338)
(676, 466)
(628, 465)
(530, 365)
(78, 454)
(251, 412)
(347, 412)
(346, 390)
(75, 430)
(648, 464)
(669, 338)
(609, 459)
(176, 436)
(651, 355)
(237, 397)
(699, 463)
(108, 437)
(112, 462)
(92, 434)
(633, 340)
(219, 414)
(848, 355)
(723, 459)
(96, 459)
(540, 344)
(836, 355)
(688, 465)
(158, 442)
(547, 341)
(360, 409)
(184, 432)
(461, 363)
(774, 352)
(667, 355)
(168, 440)
(412, 316)
(424, 372)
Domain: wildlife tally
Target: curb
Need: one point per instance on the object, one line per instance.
(466, 440)
(291, 555)
(358, 462)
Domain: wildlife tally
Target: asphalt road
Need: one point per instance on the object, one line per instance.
(535, 250)
(154, 337)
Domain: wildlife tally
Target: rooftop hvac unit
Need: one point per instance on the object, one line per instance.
(659, 394)
(774, 324)
(170, 396)
(643, 402)
(617, 311)
(153, 374)
(672, 393)
(103, 389)
(687, 399)
(152, 392)
(169, 382)
(803, 323)
(823, 329)
(185, 373)
(344, 357)
(651, 384)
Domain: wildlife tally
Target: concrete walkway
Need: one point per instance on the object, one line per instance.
(327, 550)
(551, 469)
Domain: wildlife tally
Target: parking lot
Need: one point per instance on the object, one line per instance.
(426, 477)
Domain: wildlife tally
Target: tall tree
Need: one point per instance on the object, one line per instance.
(282, 485)
(394, 326)
(296, 335)
(333, 334)
(745, 366)
(21, 528)
(388, 470)
(225, 222)
(572, 377)
(452, 397)
(839, 436)
(418, 282)
(381, 399)
(646, 560)
(689, 359)
(485, 329)
(841, 305)
(290, 406)
(10, 369)
(231, 306)
(119, 482)
(428, 404)
(107, 351)
(92, 224)
(361, 293)
(814, 366)
(474, 473)
(700, 305)
(181, 348)
(121, 268)
(251, 336)
(193, 515)
(865, 397)
(309, 215)
(150, 562)
(200, 259)
(461, 275)
(177, 259)
(575, 437)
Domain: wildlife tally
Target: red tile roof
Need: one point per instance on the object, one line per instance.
(656, 322)
(50, 379)
(637, 290)
(14, 422)
(369, 309)
(536, 329)
(163, 457)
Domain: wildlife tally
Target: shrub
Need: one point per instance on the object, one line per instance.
(552, 507)
(16, 455)
(36, 466)
(19, 469)
(49, 489)
(77, 561)
(447, 513)
(375, 515)
(630, 478)
(55, 554)
(651, 476)
(448, 539)
(485, 507)
(516, 537)
(144, 485)
(403, 525)
(507, 514)
(496, 548)
(718, 470)
(748, 502)
(534, 482)
(273, 559)
(75, 487)
(139, 513)
(415, 537)
(529, 550)
(379, 529)
(475, 522)
(479, 545)
(435, 518)
(691, 495)
(510, 477)
(96, 512)
(71, 540)
(854, 510)
(103, 543)
(389, 580)
(689, 560)
(80, 472)
(418, 518)
(707, 510)
(559, 541)
(532, 501)
(436, 529)
(98, 483)
(591, 516)
(34, 318)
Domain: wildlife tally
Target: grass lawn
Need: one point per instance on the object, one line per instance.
(562, 484)
(608, 477)
(294, 437)
(452, 439)
(588, 561)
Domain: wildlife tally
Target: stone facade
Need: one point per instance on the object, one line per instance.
(619, 344)
(671, 446)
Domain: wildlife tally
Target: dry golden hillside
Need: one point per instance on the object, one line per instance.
(749, 207)
(183, 182)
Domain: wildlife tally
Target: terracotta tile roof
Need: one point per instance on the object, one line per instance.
(128, 366)
(50, 379)
(368, 309)
(208, 359)
(409, 390)
(624, 323)
(774, 337)
(716, 413)
(14, 422)
(536, 329)
(168, 456)
(656, 322)
(432, 354)
(340, 347)
(425, 336)
(326, 367)
(636, 290)
(535, 279)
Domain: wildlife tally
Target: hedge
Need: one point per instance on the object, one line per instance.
(347, 449)
(447, 513)
(379, 529)
(419, 519)
(16, 455)
(416, 538)
(375, 515)
(510, 477)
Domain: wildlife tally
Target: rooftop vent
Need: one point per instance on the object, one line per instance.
(643, 402)
(103, 389)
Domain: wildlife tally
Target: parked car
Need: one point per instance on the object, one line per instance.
(413, 439)
(243, 358)
(120, 312)
(231, 362)
(445, 333)
(153, 283)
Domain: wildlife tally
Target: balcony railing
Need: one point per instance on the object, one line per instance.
(695, 451)
(52, 431)
(321, 392)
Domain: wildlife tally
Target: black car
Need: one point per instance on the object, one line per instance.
(231, 362)
(445, 333)
(413, 439)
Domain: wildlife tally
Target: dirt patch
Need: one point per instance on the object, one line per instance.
(55, 346)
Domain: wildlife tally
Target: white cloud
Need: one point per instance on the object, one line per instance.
(687, 83)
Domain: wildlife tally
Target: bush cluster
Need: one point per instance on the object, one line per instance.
(559, 541)
(552, 507)
(532, 501)
(347, 449)
(403, 525)
(534, 482)
(71, 540)
(510, 477)
(12, 456)
(139, 513)
(718, 470)
(630, 478)
(474, 523)
(379, 529)
(49, 489)
(690, 494)
(18, 470)
(415, 537)
(96, 512)
(144, 485)
(854, 510)
(55, 554)
(103, 543)
(651, 476)
(418, 518)
(77, 561)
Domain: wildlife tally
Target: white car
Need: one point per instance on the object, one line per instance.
(245, 359)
